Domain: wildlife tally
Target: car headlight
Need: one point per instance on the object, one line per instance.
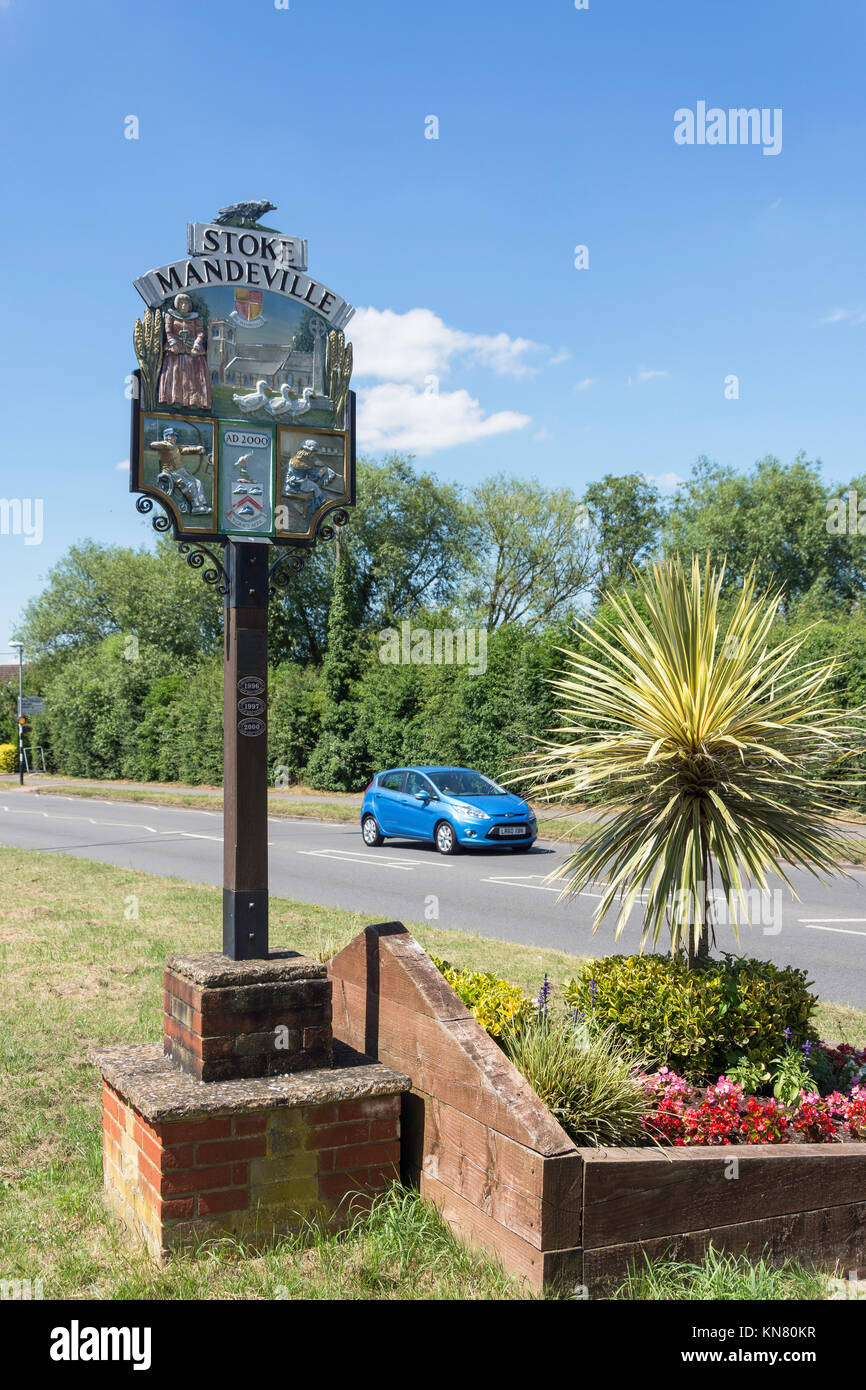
(473, 812)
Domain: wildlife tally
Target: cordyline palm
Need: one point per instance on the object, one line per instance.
(706, 745)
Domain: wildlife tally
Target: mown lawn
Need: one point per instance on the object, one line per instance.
(82, 947)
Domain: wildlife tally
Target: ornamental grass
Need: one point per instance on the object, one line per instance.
(711, 745)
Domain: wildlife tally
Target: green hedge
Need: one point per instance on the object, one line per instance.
(697, 1022)
(498, 1006)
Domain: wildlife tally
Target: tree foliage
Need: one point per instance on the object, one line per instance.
(98, 590)
(126, 644)
(338, 760)
(626, 515)
(535, 558)
(773, 519)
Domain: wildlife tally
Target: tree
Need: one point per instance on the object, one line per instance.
(294, 721)
(626, 516)
(536, 551)
(411, 539)
(774, 519)
(298, 616)
(95, 706)
(711, 756)
(339, 760)
(97, 590)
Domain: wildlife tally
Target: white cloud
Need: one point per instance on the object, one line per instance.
(418, 344)
(645, 374)
(542, 434)
(122, 467)
(397, 416)
(665, 482)
(846, 316)
(562, 356)
(585, 383)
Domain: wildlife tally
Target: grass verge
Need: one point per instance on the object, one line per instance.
(722, 1276)
(82, 948)
(335, 812)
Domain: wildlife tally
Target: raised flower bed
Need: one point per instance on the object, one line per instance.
(481, 1144)
(722, 1113)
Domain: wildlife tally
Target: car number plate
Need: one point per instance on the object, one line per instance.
(512, 829)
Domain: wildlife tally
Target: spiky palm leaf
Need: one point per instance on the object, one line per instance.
(710, 749)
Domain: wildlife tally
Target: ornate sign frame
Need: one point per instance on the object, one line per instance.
(177, 516)
(243, 424)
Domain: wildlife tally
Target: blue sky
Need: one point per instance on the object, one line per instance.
(555, 129)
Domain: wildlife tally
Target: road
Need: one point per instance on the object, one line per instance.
(494, 893)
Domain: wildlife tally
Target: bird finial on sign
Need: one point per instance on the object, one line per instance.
(246, 214)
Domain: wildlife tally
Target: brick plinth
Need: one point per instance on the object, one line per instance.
(226, 1019)
(280, 1154)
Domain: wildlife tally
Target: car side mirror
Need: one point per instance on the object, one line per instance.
(422, 796)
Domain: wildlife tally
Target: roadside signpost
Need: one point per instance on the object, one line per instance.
(32, 704)
(19, 647)
(243, 431)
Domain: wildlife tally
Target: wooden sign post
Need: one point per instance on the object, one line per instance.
(245, 753)
(243, 430)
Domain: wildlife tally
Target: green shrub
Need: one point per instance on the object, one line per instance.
(588, 1079)
(497, 1005)
(8, 757)
(699, 1021)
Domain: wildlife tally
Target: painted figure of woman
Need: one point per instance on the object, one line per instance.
(184, 379)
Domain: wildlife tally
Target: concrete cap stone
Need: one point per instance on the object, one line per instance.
(159, 1090)
(213, 970)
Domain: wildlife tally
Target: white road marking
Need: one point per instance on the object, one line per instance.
(128, 825)
(844, 931)
(810, 920)
(519, 881)
(356, 859)
(349, 856)
(191, 835)
(121, 824)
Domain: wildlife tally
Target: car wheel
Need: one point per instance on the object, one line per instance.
(446, 838)
(371, 832)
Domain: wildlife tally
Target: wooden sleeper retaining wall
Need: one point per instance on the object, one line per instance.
(478, 1141)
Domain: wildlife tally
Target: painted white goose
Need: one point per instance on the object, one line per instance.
(284, 405)
(255, 400)
(277, 405)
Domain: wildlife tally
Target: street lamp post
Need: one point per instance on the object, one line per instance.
(20, 648)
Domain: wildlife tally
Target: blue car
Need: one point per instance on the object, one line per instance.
(452, 806)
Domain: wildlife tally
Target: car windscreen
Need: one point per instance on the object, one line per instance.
(461, 782)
